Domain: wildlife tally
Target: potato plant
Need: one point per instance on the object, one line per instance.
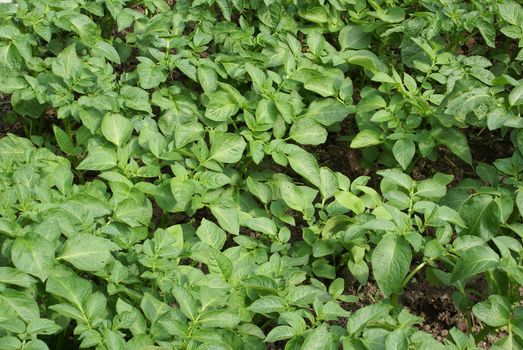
(164, 182)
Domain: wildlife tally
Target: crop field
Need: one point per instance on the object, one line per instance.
(261, 174)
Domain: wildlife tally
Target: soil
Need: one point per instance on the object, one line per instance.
(368, 294)
(336, 154)
(6, 125)
(435, 305)
(432, 303)
(487, 146)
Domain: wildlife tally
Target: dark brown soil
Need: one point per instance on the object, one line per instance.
(336, 153)
(487, 146)
(6, 124)
(435, 305)
(368, 294)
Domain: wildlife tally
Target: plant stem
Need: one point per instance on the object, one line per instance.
(469, 320)
(412, 273)
(394, 299)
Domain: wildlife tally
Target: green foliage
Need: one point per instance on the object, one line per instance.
(168, 187)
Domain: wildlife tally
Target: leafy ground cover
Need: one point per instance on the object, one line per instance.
(260, 174)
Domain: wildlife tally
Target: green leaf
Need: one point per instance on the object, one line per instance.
(225, 7)
(360, 270)
(474, 261)
(302, 295)
(153, 309)
(18, 304)
(481, 215)
(188, 305)
(316, 81)
(305, 164)
(511, 12)
(353, 37)
(107, 51)
(397, 340)
(33, 255)
(10, 228)
(99, 158)
(404, 151)
(308, 132)
(113, 340)
(133, 213)
(371, 102)
(508, 342)
(10, 61)
(65, 141)
(455, 141)
(223, 263)
(390, 263)
(318, 339)
(366, 138)
(519, 202)
(227, 148)
(116, 128)
(279, 333)
(392, 15)
(350, 201)
(495, 312)
(221, 107)
(187, 133)
(293, 196)
(74, 289)
(150, 74)
(316, 42)
(67, 64)
(328, 183)
(86, 29)
(168, 242)
(266, 113)
(259, 189)
(337, 287)
(487, 31)
(42, 326)
(208, 78)
(450, 215)
(267, 305)
(430, 188)
(10, 343)
(327, 111)
(11, 84)
(91, 118)
(154, 140)
(220, 319)
(135, 98)
(227, 218)
(397, 177)
(87, 252)
(9, 275)
(515, 98)
(263, 225)
(322, 268)
(365, 59)
(211, 234)
(468, 101)
(362, 316)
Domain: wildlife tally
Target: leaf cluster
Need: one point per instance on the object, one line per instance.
(166, 188)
